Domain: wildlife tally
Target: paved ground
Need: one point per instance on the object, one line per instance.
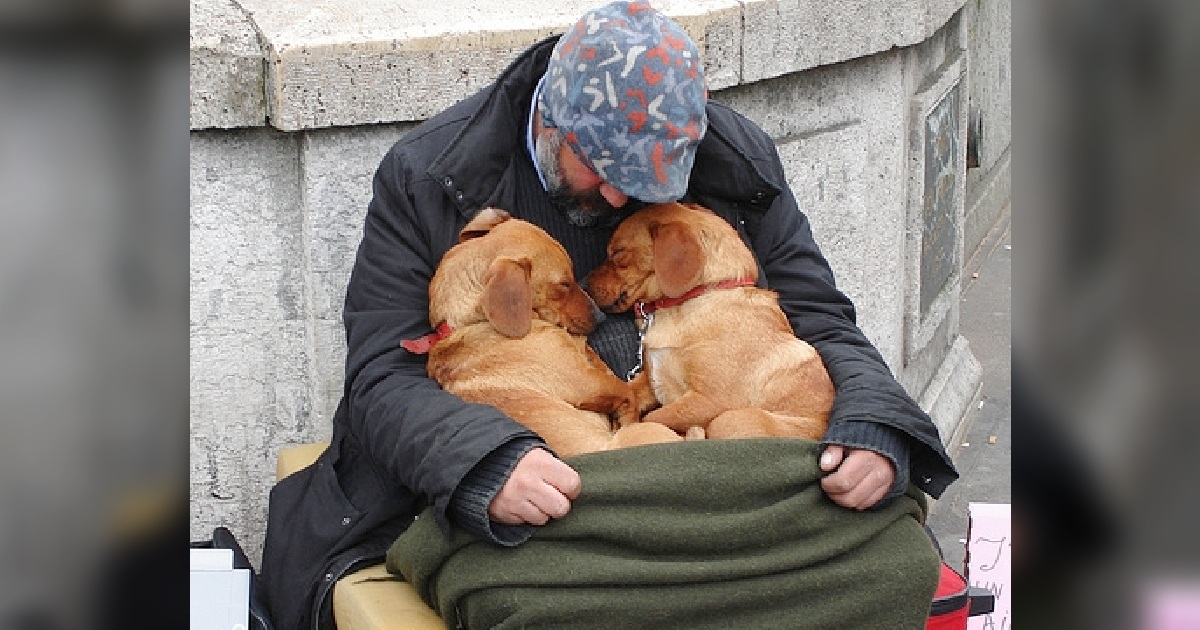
(984, 455)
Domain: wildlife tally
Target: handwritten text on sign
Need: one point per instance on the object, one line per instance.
(989, 561)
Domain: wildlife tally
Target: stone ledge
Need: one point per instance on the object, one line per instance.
(323, 63)
(956, 386)
(227, 69)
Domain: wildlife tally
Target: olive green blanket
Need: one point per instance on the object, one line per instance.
(706, 534)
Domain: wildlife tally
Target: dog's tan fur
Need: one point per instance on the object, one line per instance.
(520, 319)
(727, 360)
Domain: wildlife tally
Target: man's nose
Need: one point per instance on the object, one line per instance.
(613, 196)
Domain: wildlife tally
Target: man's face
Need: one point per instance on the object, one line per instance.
(576, 190)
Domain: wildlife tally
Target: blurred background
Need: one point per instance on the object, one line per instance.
(1106, 221)
(93, 313)
(94, 336)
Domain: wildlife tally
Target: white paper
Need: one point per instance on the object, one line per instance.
(211, 559)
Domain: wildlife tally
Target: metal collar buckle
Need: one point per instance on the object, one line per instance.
(647, 319)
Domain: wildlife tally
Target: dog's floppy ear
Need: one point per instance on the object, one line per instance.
(483, 223)
(678, 257)
(507, 296)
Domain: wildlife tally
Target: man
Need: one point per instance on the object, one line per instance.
(576, 134)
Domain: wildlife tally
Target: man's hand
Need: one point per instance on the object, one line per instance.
(859, 478)
(540, 488)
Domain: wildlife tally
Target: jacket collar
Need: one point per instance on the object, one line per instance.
(473, 166)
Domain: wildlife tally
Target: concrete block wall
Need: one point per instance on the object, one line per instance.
(841, 136)
(275, 221)
(989, 186)
(294, 104)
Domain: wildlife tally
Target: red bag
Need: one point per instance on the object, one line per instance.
(951, 602)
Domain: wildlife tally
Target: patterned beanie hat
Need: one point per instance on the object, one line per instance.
(625, 85)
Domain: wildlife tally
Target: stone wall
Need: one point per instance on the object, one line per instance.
(293, 105)
(989, 42)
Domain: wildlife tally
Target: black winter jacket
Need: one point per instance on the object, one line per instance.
(401, 444)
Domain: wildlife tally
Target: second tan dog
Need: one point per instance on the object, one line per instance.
(512, 323)
(719, 353)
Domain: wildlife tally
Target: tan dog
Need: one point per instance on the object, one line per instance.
(719, 353)
(512, 323)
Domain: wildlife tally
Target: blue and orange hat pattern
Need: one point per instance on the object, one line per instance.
(626, 87)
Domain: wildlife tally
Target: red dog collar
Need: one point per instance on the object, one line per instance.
(423, 345)
(642, 309)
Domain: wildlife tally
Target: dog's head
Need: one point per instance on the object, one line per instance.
(665, 250)
(508, 272)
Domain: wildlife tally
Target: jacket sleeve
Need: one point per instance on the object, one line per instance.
(871, 409)
(417, 435)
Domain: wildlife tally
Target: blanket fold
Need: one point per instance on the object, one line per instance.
(705, 534)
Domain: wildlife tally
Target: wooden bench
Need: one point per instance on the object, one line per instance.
(360, 600)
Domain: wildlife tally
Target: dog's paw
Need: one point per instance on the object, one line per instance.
(625, 414)
(643, 394)
(695, 433)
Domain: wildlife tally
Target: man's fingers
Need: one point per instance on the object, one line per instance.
(852, 496)
(845, 479)
(564, 479)
(550, 501)
(860, 481)
(553, 471)
(532, 514)
(875, 497)
(831, 457)
(840, 483)
(520, 512)
(535, 507)
(867, 495)
(540, 488)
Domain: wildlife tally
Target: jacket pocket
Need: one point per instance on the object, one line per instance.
(309, 521)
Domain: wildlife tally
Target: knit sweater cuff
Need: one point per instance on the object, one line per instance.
(887, 441)
(470, 501)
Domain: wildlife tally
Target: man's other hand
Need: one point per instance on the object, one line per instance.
(541, 487)
(858, 478)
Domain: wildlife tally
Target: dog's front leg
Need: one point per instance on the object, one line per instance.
(610, 396)
(693, 409)
(643, 393)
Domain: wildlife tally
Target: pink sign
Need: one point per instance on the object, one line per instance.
(989, 561)
(1171, 604)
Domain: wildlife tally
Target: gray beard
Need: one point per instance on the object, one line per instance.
(581, 210)
(572, 207)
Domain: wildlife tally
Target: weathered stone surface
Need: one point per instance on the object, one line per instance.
(330, 63)
(246, 228)
(935, 193)
(989, 47)
(249, 354)
(838, 129)
(226, 67)
(339, 166)
(249, 397)
(986, 199)
(955, 386)
(783, 36)
(943, 169)
(333, 64)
